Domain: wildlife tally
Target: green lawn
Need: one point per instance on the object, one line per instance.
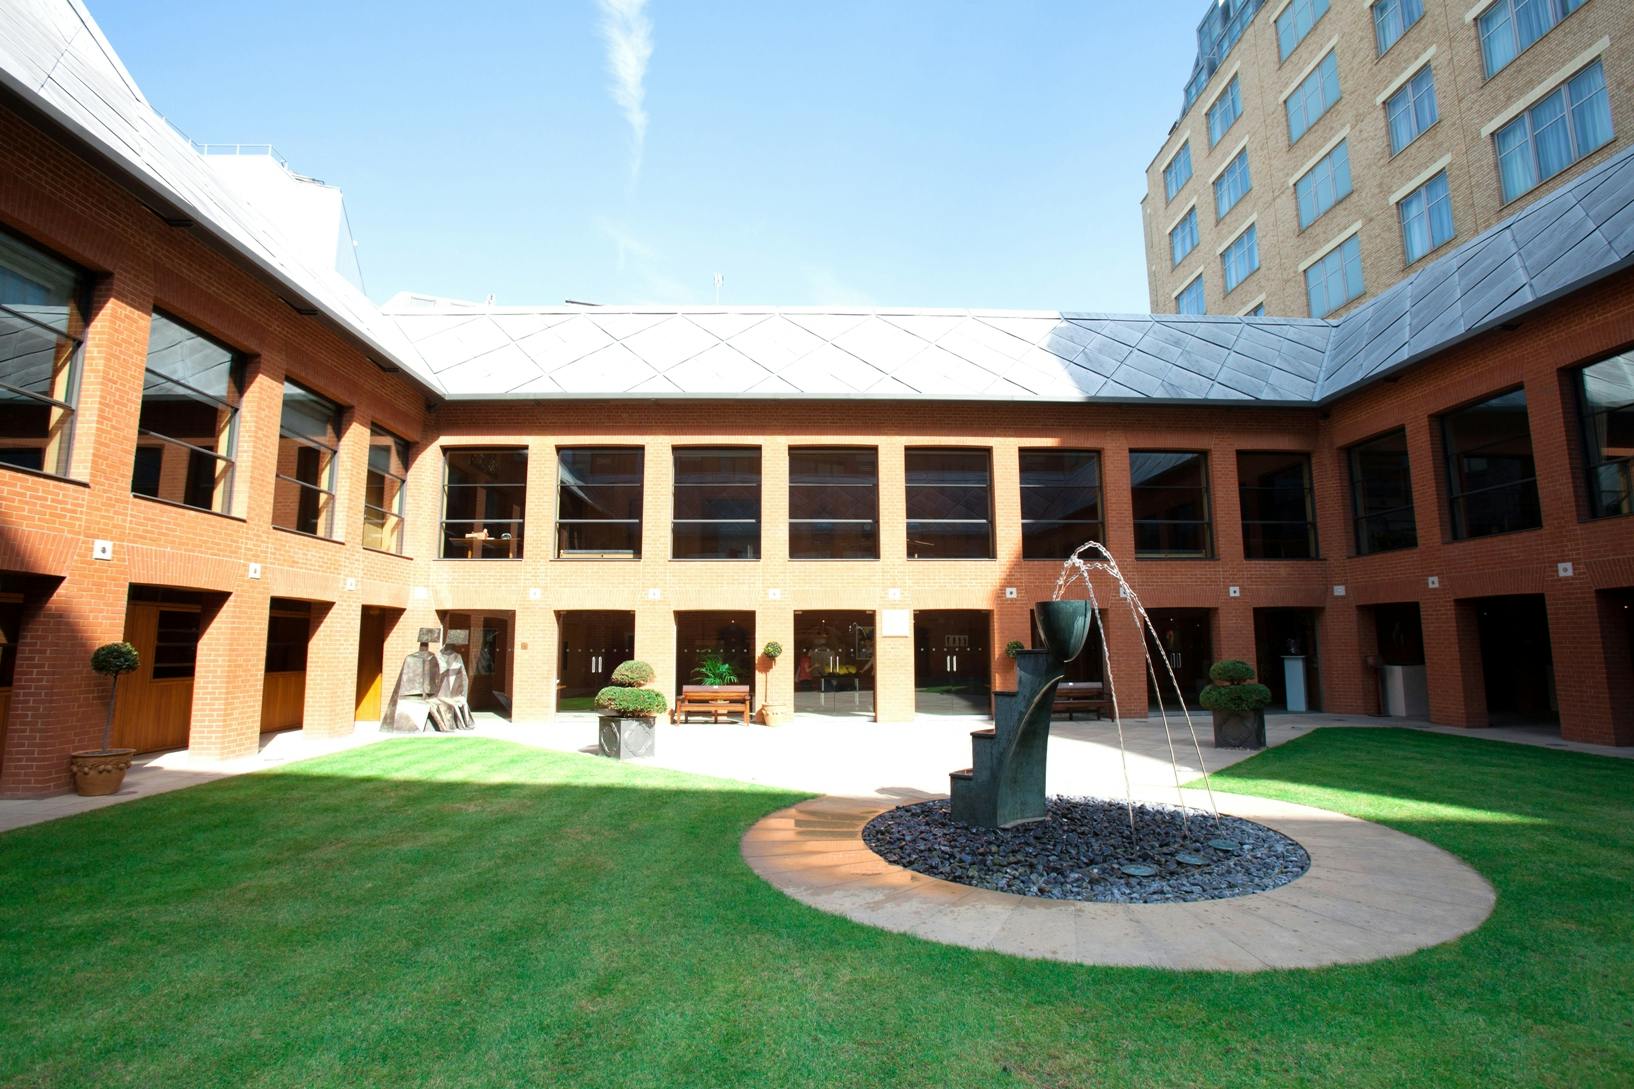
(469, 912)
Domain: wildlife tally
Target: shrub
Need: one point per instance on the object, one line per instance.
(112, 659)
(1013, 648)
(773, 650)
(632, 674)
(713, 669)
(1235, 698)
(1230, 671)
(630, 702)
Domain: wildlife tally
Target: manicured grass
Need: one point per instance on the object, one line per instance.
(468, 912)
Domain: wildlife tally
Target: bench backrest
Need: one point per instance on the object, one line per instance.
(712, 691)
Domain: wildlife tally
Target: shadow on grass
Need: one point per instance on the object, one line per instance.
(473, 912)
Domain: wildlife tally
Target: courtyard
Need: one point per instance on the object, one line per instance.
(474, 911)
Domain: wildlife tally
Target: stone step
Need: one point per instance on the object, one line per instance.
(963, 773)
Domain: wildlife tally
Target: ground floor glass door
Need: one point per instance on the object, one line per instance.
(953, 667)
(1185, 640)
(833, 662)
(593, 643)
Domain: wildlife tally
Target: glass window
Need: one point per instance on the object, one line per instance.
(1426, 218)
(187, 432)
(717, 504)
(598, 506)
(1190, 299)
(950, 508)
(1489, 463)
(42, 325)
(385, 491)
(485, 495)
(1232, 185)
(1178, 171)
(1183, 239)
(1411, 110)
(1607, 402)
(289, 630)
(176, 644)
(1323, 185)
(1295, 22)
(833, 503)
(1381, 494)
(1392, 19)
(1060, 502)
(303, 494)
(1567, 125)
(1278, 511)
(1257, 312)
(1169, 491)
(1314, 97)
(1241, 259)
(1336, 278)
(1225, 111)
(1509, 27)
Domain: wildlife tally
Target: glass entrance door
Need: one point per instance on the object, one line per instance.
(833, 663)
(593, 644)
(953, 666)
(1183, 638)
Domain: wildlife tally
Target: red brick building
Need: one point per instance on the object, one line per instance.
(215, 448)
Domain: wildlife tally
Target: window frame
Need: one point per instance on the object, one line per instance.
(236, 375)
(387, 517)
(1317, 79)
(1202, 297)
(676, 484)
(1098, 488)
(909, 521)
(1309, 521)
(519, 539)
(1483, 34)
(1458, 518)
(65, 386)
(1231, 171)
(1394, 6)
(1231, 93)
(1250, 235)
(872, 522)
(1405, 102)
(1408, 258)
(1594, 459)
(1172, 188)
(1332, 177)
(1285, 48)
(1360, 517)
(616, 555)
(1207, 521)
(1189, 218)
(1567, 112)
(1336, 253)
(326, 521)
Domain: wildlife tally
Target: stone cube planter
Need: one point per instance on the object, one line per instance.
(1239, 729)
(627, 738)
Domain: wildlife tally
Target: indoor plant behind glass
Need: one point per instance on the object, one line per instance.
(628, 712)
(102, 771)
(714, 671)
(1238, 707)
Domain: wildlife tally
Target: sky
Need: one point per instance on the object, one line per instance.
(870, 153)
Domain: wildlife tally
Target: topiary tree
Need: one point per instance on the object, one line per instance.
(1013, 648)
(1231, 693)
(113, 660)
(626, 698)
(773, 650)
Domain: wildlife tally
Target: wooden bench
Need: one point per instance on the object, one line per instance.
(1074, 696)
(712, 700)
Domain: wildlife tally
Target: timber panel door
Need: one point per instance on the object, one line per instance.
(371, 664)
(156, 702)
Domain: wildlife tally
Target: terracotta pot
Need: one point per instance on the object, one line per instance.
(100, 772)
(773, 715)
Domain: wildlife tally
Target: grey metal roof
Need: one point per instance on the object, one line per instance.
(53, 54)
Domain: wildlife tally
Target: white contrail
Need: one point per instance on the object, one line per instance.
(628, 34)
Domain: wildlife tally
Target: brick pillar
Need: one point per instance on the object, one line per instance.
(893, 673)
(534, 663)
(1452, 657)
(1126, 646)
(1594, 667)
(655, 644)
(58, 705)
(1232, 633)
(228, 678)
(1347, 636)
(1012, 620)
(331, 669)
(775, 685)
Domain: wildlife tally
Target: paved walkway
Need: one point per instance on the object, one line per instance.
(824, 755)
(1371, 892)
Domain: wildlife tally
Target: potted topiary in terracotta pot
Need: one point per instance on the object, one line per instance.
(772, 714)
(628, 710)
(102, 771)
(1238, 707)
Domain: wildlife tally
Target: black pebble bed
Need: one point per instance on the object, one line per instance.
(1076, 851)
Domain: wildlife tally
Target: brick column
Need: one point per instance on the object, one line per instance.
(331, 669)
(1594, 669)
(533, 663)
(776, 685)
(1452, 657)
(893, 671)
(1233, 632)
(227, 680)
(655, 643)
(1126, 646)
(1011, 620)
(1346, 637)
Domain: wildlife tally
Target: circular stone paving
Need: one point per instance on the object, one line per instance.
(1369, 892)
(1081, 849)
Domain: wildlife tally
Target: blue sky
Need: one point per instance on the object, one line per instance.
(884, 152)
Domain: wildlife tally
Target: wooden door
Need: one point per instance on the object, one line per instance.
(371, 663)
(156, 702)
